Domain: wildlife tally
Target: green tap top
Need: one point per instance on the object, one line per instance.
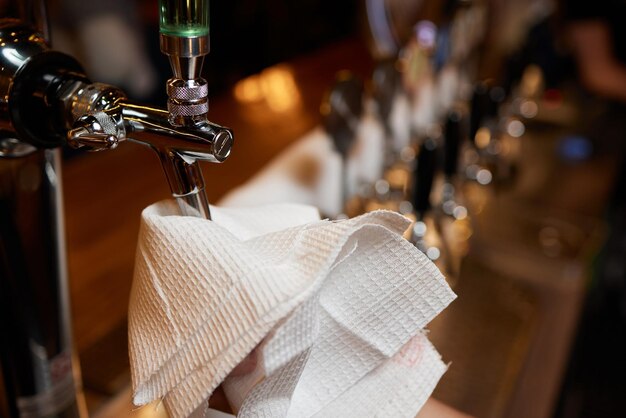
(184, 17)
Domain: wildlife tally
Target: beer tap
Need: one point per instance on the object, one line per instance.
(423, 178)
(47, 101)
(182, 136)
(453, 141)
(484, 130)
(385, 87)
(341, 113)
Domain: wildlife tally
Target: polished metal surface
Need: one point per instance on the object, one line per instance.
(46, 101)
(188, 106)
(188, 101)
(14, 148)
(82, 138)
(96, 132)
(187, 91)
(36, 357)
(103, 118)
(34, 13)
(179, 148)
(18, 44)
(204, 142)
(186, 54)
(82, 98)
(186, 47)
(37, 362)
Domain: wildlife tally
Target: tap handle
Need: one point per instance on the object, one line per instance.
(82, 138)
(97, 131)
(342, 111)
(485, 105)
(184, 29)
(453, 137)
(184, 38)
(385, 82)
(184, 18)
(478, 108)
(424, 176)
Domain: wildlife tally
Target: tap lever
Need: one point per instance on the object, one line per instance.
(82, 138)
(96, 131)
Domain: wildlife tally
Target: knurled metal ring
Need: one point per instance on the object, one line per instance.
(188, 93)
(187, 109)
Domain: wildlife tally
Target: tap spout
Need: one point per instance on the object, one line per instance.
(103, 117)
(203, 141)
(179, 149)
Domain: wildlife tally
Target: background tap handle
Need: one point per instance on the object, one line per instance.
(453, 135)
(485, 104)
(342, 111)
(424, 175)
(478, 108)
(385, 84)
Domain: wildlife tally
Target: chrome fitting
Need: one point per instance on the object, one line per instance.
(186, 54)
(188, 101)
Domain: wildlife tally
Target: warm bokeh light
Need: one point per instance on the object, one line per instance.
(275, 86)
(532, 81)
(483, 137)
(248, 90)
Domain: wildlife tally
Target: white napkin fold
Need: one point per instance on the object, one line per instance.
(308, 172)
(311, 172)
(336, 300)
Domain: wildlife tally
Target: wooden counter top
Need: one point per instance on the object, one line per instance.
(105, 193)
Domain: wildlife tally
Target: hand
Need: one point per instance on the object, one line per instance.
(435, 409)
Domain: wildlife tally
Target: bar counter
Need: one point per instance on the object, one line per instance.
(507, 336)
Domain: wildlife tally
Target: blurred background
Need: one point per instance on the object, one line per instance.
(501, 131)
(246, 38)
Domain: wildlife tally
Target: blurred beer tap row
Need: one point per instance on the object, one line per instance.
(402, 134)
(425, 135)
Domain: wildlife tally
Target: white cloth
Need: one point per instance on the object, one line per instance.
(311, 171)
(336, 300)
(283, 179)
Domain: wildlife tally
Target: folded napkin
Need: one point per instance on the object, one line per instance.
(311, 171)
(335, 310)
(308, 172)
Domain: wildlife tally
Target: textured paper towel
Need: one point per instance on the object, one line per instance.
(363, 313)
(205, 293)
(398, 388)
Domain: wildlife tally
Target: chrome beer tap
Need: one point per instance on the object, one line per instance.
(47, 101)
(341, 112)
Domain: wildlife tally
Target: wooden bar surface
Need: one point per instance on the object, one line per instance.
(105, 193)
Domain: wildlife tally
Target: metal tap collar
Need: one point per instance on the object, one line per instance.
(185, 46)
(186, 54)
